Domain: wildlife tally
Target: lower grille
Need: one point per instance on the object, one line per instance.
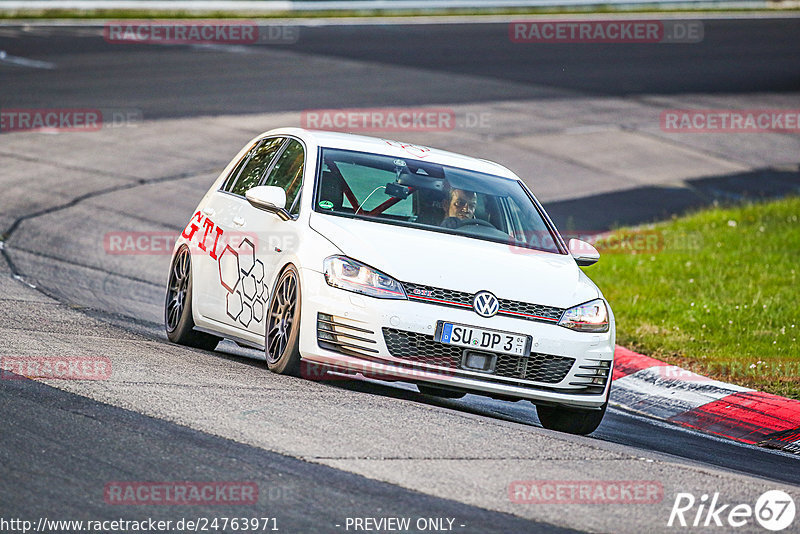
(423, 349)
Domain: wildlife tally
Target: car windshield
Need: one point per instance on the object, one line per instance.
(418, 194)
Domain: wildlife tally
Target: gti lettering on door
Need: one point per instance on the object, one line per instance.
(192, 228)
(240, 272)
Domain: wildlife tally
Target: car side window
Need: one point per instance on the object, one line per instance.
(231, 178)
(257, 163)
(288, 174)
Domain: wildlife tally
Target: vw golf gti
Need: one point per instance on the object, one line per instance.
(338, 253)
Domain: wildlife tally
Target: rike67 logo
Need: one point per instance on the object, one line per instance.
(774, 510)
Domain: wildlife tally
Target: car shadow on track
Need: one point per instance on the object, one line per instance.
(520, 412)
(471, 404)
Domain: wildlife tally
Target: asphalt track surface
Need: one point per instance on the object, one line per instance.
(735, 56)
(104, 443)
(57, 446)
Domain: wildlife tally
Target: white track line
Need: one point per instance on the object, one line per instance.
(24, 62)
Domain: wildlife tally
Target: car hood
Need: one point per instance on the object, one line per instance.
(459, 263)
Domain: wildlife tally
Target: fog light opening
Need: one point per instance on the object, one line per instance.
(478, 361)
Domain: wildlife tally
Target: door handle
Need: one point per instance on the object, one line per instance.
(208, 212)
(238, 221)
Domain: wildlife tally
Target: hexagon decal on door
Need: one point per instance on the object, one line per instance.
(242, 276)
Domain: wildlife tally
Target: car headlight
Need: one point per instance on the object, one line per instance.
(348, 274)
(589, 317)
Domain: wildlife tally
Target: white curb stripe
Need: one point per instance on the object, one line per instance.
(667, 391)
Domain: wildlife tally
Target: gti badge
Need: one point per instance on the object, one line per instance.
(485, 304)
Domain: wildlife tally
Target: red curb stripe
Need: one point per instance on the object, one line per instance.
(788, 440)
(627, 362)
(747, 417)
(786, 436)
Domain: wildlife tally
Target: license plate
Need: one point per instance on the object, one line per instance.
(482, 339)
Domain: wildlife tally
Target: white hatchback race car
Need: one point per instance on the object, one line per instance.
(356, 255)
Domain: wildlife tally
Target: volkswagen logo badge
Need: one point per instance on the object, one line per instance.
(485, 304)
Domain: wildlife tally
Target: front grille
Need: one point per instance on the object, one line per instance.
(462, 299)
(533, 312)
(423, 349)
(447, 297)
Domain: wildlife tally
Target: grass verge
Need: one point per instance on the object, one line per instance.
(715, 292)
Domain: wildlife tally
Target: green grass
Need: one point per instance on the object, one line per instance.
(715, 292)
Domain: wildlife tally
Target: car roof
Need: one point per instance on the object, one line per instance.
(389, 147)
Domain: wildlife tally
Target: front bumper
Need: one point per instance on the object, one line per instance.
(349, 332)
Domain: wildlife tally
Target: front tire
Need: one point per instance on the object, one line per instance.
(178, 320)
(282, 332)
(570, 420)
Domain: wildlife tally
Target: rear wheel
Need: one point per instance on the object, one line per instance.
(440, 392)
(570, 420)
(178, 320)
(282, 335)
